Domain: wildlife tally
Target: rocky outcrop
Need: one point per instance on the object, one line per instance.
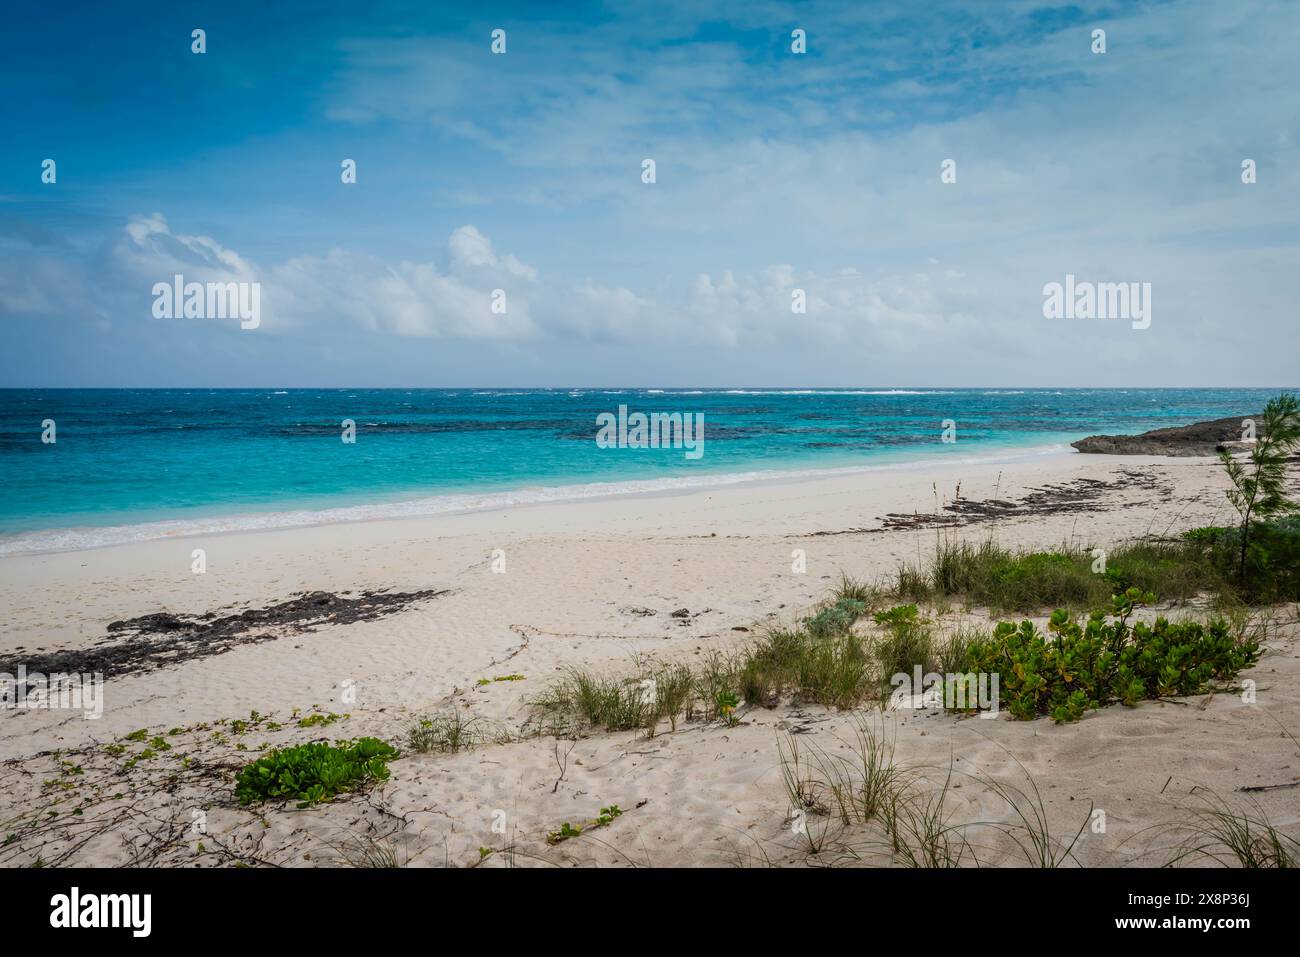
(1201, 438)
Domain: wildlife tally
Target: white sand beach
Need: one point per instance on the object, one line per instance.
(594, 584)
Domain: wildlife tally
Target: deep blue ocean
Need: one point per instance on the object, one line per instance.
(167, 461)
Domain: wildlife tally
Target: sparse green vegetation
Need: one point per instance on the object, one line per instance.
(834, 670)
(657, 692)
(823, 662)
(673, 687)
(316, 772)
(365, 852)
(565, 832)
(1219, 833)
(616, 704)
(906, 812)
(568, 831)
(319, 719)
(1082, 663)
(835, 619)
(727, 702)
(908, 641)
(856, 789)
(487, 681)
(448, 732)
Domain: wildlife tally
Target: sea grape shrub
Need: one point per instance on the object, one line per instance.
(1079, 666)
(311, 773)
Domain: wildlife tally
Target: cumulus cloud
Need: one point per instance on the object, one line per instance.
(404, 298)
(452, 298)
(151, 249)
(470, 249)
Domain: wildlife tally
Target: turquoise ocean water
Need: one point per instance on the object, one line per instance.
(133, 464)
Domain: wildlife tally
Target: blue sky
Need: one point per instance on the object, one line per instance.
(775, 171)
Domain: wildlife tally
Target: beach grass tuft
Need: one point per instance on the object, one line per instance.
(1199, 562)
(986, 574)
(447, 732)
(1220, 833)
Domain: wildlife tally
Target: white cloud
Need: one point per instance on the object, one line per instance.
(424, 300)
(405, 299)
(471, 249)
(153, 248)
